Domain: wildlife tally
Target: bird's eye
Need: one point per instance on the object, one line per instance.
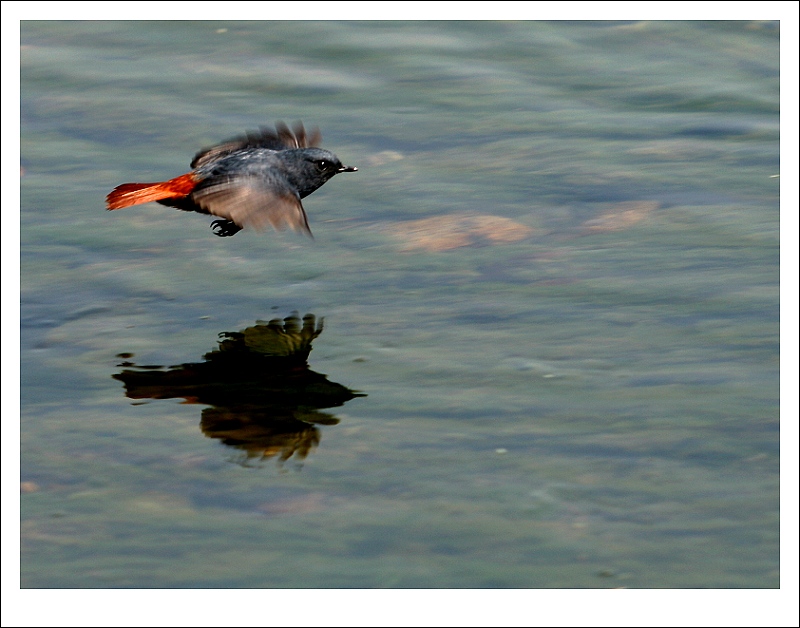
(322, 165)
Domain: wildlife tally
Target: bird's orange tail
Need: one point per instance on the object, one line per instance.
(129, 194)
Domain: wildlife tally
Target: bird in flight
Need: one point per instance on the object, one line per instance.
(250, 181)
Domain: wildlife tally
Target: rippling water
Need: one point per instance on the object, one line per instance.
(553, 283)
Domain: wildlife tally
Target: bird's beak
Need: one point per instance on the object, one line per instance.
(347, 169)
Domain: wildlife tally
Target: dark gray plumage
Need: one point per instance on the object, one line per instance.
(249, 182)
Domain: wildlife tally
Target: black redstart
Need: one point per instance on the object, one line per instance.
(248, 181)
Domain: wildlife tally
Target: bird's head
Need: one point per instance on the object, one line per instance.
(310, 168)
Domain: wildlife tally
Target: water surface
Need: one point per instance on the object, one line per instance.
(553, 281)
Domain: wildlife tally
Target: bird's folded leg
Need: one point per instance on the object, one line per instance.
(225, 228)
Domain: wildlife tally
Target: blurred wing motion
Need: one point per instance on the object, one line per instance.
(279, 138)
(248, 202)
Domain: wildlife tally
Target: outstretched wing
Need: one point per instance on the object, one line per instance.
(254, 203)
(279, 138)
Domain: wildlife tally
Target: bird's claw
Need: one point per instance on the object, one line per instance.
(225, 228)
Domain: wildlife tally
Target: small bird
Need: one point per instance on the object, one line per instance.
(249, 181)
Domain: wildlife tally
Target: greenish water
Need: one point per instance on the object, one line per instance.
(555, 278)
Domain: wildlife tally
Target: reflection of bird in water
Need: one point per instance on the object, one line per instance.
(266, 435)
(263, 396)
